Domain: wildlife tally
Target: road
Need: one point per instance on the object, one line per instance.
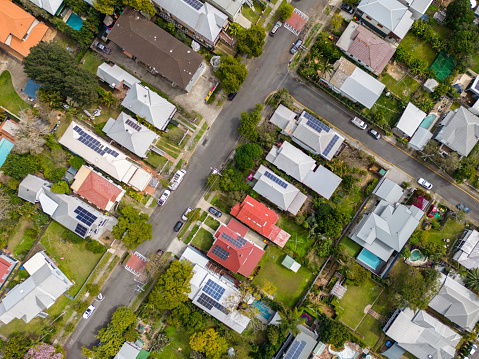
(267, 73)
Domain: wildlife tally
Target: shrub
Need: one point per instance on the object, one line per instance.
(93, 289)
(73, 238)
(19, 166)
(76, 161)
(54, 175)
(61, 187)
(95, 247)
(69, 328)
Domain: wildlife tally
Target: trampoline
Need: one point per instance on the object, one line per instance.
(307, 317)
(442, 66)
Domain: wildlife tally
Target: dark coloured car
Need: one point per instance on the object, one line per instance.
(232, 96)
(215, 212)
(374, 133)
(462, 207)
(296, 46)
(348, 8)
(178, 226)
(103, 48)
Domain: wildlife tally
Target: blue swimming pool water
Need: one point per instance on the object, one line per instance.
(428, 120)
(263, 309)
(75, 21)
(369, 259)
(5, 148)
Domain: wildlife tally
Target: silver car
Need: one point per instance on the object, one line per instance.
(164, 197)
(88, 312)
(424, 183)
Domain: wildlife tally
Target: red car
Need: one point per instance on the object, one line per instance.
(433, 211)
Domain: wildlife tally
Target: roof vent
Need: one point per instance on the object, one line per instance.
(228, 247)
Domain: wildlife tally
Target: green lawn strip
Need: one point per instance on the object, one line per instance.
(190, 235)
(200, 133)
(178, 339)
(33, 329)
(300, 243)
(351, 246)
(187, 124)
(167, 149)
(92, 61)
(203, 216)
(356, 299)
(145, 199)
(391, 108)
(203, 240)
(250, 14)
(179, 164)
(383, 304)
(156, 160)
(370, 329)
(8, 96)
(167, 142)
(419, 48)
(77, 262)
(212, 223)
(403, 88)
(267, 11)
(184, 229)
(185, 141)
(290, 286)
(269, 26)
(451, 230)
(214, 200)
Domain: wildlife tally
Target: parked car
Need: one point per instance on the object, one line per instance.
(184, 216)
(215, 212)
(164, 197)
(473, 349)
(296, 46)
(178, 226)
(276, 28)
(232, 96)
(88, 312)
(424, 183)
(348, 8)
(356, 121)
(374, 133)
(462, 207)
(103, 48)
(432, 212)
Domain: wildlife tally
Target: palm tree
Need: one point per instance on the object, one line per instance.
(472, 279)
(290, 319)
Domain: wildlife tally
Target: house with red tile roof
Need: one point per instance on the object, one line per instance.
(96, 189)
(260, 218)
(7, 265)
(233, 251)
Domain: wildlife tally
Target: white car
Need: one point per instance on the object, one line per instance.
(184, 216)
(473, 349)
(164, 197)
(88, 312)
(424, 183)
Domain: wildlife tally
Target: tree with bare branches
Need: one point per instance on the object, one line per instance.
(31, 134)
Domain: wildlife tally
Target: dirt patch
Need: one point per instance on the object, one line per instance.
(395, 71)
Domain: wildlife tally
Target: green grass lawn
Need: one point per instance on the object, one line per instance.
(168, 148)
(290, 286)
(370, 329)
(16, 242)
(356, 299)
(299, 242)
(391, 108)
(250, 14)
(351, 246)
(8, 96)
(77, 262)
(92, 61)
(402, 88)
(451, 230)
(383, 305)
(475, 65)
(190, 235)
(178, 339)
(212, 223)
(33, 329)
(156, 160)
(420, 48)
(203, 240)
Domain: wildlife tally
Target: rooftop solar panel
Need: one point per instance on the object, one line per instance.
(80, 230)
(330, 145)
(315, 124)
(275, 179)
(214, 290)
(209, 303)
(237, 242)
(85, 216)
(195, 4)
(93, 143)
(133, 125)
(295, 350)
(220, 252)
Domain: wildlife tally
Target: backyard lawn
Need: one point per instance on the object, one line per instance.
(290, 286)
(212, 223)
(451, 230)
(299, 242)
(8, 97)
(73, 259)
(475, 60)
(419, 48)
(370, 329)
(32, 329)
(92, 61)
(391, 108)
(156, 160)
(203, 240)
(351, 246)
(402, 88)
(178, 339)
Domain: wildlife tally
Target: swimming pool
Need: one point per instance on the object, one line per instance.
(416, 255)
(5, 148)
(75, 21)
(264, 310)
(369, 259)
(428, 120)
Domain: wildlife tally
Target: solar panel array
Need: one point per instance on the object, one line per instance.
(93, 143)
(84, 216)
(220, 252)
(209, 303)
(80, 230)
(195, 4)
(237, 242)
(315, 124)
(330, 145)
(214, 290)
(133, 125)
(295, 350)
(275, 179)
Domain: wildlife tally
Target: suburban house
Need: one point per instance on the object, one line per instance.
(214, 293)
(467, 253)
(233, 251)
(365, 48)
(420, 334)
(410, 120)
(149, 105)
(459, 132)
(456, 303)
(102, 155)
(350, 81)
(300, 166)
(417, 7)
(420, 139)
(53, 7)
(260, 218)
(131, 350)
(232, 8)
(96, 189)
(71, 212)
(19, 31)
(308, 132)
(7, 265)
(384, 230)
(115, 76)
(279, 192)
(202, 21)
(162, 53)
(130, 134)
(387, 18)
(35, 294)
(299, 347)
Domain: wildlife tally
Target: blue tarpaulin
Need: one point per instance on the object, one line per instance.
(31, 89)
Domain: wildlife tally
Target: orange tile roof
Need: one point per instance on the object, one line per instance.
(98, 190)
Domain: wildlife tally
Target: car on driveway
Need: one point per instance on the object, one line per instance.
(184, 216)
(178, 226)
(296, 47)
(374, 133)
(103, 48)
(424, 183)
(215, 212)
(88, 312)
(164, 197)
(348, 8)
(432, 212)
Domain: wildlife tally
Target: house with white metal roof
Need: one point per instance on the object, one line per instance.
(232, 8)
(52, 7)
(410, 120)
(468, 250)
(420, 139)
(115, 76)
(149, 105)
(417, 7)
(420, 334)
(130, 134)
(35, 294)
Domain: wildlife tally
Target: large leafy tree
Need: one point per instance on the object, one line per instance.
(51, 66)
(249, 122)
(108, 6)
(173, 286)
(333, 332)
(247, 154)
(232, 180)
(285, 10)
(15, 347)
(232, 72)
(209, 343)
(464, 41)
(132, 227)
(251, 41)
(472, 279)
(183, 316)
(459, 12)
(290, 319)
(19, 166)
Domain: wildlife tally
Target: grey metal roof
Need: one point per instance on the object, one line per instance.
(421, 6)
(206, 20)
(456, 303)
(468, 253)
(230, 7)
(282, 116)
(323, 181)
(137, 138)
(291, 160)
(423, 335)
(420, 139)
(389, 13)
(388, 190)
(128, 351)
(460, 132)
(115, 75)
(363, 88)
(50, 6)
(410, 120)
(148, 104)
(29, 188)
(305, 337)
